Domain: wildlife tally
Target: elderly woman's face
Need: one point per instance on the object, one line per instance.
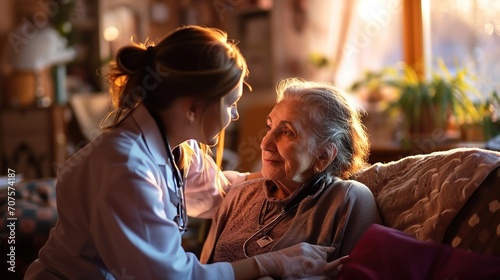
(285, 153)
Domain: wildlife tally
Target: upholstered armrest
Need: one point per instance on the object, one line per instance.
(421, 195)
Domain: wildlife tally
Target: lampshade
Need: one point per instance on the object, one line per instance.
(45, 48)
(30, 58)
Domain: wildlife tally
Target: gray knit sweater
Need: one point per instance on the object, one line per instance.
(336, 216)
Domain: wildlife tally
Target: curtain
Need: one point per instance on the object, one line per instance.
(309, 37)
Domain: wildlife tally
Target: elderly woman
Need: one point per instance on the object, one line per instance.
(315, 142)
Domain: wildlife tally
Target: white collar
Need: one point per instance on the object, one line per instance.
(151, 133)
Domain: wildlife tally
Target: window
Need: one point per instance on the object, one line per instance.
(374, 39)
(466, 33)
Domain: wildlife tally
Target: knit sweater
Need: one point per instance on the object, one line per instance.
(336, 216)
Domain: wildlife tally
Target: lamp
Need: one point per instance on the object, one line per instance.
(39, 51)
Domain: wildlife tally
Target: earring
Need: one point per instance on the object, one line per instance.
(316, 169)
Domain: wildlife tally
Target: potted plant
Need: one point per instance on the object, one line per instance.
(491, 116)
(488, 125)
(374, 95)
(438, 103)
(373, 85)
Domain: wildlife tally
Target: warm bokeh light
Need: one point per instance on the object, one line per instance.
(111, 33)
(489, 28)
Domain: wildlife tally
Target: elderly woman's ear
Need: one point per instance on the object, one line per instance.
(326, 155)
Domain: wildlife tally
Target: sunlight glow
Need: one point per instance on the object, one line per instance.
(489, 28)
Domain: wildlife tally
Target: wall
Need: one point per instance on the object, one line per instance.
(6, 24)
(159, 28)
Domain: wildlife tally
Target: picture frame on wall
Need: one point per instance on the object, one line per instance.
(255, 45)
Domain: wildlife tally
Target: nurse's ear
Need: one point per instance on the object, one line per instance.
(190, 108)
(326, 155)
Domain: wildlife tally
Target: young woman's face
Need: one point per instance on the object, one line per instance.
(285, 154)
(220, 114)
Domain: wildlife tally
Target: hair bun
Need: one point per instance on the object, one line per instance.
(132, 59)
(150, 52)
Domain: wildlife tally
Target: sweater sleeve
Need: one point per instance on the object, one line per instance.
(362, 211)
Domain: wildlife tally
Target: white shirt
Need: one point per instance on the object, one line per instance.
(116, 203)
(203, 197)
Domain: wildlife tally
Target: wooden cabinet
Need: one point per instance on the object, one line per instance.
(253, 30)
(32, 140)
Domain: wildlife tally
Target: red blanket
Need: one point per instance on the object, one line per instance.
(386, 253)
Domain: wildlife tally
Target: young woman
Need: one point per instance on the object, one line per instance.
(120, 199)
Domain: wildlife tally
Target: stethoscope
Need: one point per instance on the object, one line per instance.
(181, 219)
(315, 188)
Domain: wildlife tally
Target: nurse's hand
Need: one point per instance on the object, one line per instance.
(333, 268)
(298, 261)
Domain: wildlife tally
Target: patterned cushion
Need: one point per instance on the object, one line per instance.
(35, 209)
(35, 206)
(476, 227)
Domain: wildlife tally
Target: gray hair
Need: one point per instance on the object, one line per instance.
(332, 118)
